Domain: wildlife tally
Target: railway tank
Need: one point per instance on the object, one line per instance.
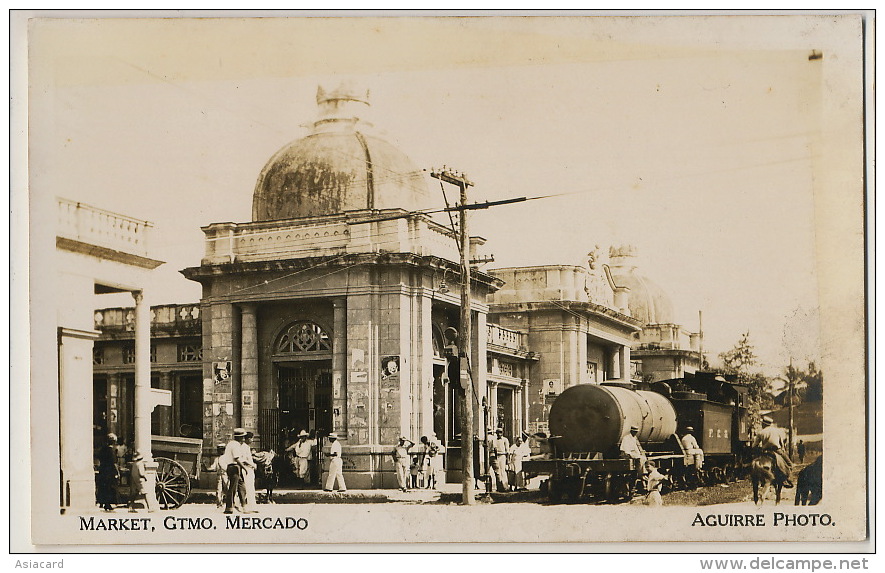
(594, 417)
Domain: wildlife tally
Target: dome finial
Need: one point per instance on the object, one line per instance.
(347, 90)
(342, 107)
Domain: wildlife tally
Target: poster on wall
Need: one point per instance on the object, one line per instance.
(677, 208)
(389, 366)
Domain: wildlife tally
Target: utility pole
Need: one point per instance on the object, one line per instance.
(467, 390)
(791, 375)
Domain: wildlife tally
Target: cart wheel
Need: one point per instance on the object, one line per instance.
(173, 483)
(718, 475)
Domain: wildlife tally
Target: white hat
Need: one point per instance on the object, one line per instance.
(239, 432)
(333, 435)
(766, 420)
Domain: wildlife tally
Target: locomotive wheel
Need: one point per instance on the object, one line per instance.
(554, 489)
(730, 476)
(678, 481)
(173, 483)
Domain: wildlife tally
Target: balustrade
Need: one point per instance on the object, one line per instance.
(505, 337)
(95, 226)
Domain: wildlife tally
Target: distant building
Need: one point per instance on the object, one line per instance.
(571, 327)
(664, 349)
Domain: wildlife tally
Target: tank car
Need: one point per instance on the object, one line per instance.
(588, 421)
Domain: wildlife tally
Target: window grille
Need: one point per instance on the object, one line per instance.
(129, 353)
(97, 355)
(190, 353)
(304, 337)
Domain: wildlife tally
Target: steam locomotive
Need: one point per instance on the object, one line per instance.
(587, 422)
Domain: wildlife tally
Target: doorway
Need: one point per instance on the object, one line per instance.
(305, 398)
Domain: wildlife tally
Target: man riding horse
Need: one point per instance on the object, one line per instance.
(771, 440)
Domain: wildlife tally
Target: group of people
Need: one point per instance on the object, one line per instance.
(236, 474)
(653, 478)
(419, 466)
(506, 461)
(770, 440)
(112, 459)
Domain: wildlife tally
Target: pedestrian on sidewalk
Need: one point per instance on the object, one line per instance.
(434, 466)
(138, 484)
(336, 465)
(221, 476)
(108, 475)
(249, 465)
(401, 462)
(518, 452)
(232, 461)
(302, 454)
(654, 484)
(500, 446)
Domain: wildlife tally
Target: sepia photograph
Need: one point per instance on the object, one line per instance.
(493, 278)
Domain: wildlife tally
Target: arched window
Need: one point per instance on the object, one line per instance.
(438, 344)
(303, 337)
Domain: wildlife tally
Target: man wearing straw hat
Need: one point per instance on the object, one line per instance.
(336, 465)
(233, 463)
(303, 452)
(401, 462)
(631, 448)
(771, 439)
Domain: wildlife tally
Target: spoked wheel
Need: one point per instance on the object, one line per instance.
(730, 474)
(173, 483)
(718, 475)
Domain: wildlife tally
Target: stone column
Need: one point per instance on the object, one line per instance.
(144, 403)
(572, 356)
(339, 366)
(249, 370)
(165, 412)
(423, 400)
(615, 364)
(582, 356)
(75, 424)
(625, 363)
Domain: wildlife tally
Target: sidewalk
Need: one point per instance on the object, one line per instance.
(447, 493)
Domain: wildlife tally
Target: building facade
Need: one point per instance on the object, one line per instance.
(331, 311)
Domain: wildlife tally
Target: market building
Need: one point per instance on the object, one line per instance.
(332, 311)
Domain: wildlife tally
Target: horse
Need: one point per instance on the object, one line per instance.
(267, 475)
(809, 484)
(762, 472)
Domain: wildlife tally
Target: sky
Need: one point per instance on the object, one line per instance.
(696, 140)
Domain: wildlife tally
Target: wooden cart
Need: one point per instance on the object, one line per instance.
(178, 462)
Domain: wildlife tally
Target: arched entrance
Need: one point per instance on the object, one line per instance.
(303, 371)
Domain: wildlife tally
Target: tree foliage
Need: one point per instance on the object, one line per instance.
(809, 382)
(740, 361)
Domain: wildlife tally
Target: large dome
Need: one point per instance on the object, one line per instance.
(647, 301)
(339, 167)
